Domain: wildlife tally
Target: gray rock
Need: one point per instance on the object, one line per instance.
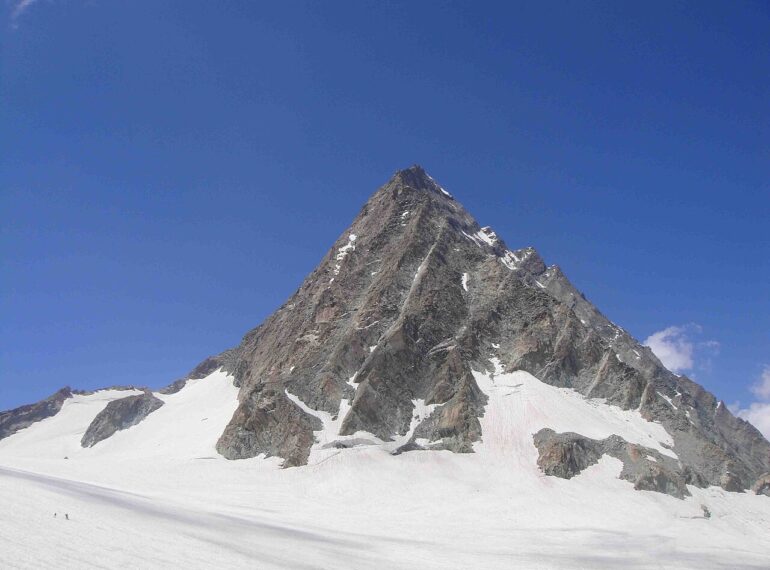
(567, 454)
(15, 420)
(119, 415)
(268, 422)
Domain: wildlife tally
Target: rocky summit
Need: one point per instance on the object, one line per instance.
(384, 342)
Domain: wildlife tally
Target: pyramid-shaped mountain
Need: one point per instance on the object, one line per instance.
(397, 338)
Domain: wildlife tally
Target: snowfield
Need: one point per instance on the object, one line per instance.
(159, 496)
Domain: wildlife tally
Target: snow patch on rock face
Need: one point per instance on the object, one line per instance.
(668, 400)
(329, 442)
(487, 235)
(513, 260)
(343, 252)
(420, 413)
(331, 424)
(520, 405)
(474, 238)
(484, 237)
(465, 281)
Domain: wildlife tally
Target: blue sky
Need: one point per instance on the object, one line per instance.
(170, 171)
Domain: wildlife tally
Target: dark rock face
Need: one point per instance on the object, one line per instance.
(119, 415)
(268, 422)
(13, 421)
(415, 295)
(567, 454)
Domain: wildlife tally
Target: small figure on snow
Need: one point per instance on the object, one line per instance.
(66, 516)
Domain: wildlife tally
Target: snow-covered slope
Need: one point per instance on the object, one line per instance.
(186, 427)
(157, 495)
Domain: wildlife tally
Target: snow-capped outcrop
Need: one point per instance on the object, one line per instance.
(119, 415)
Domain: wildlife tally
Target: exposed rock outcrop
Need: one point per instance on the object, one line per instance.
(15, 420)
(268, 422)
(567, 454)
(119, 415)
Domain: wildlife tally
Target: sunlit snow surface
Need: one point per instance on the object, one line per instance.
(158, 496)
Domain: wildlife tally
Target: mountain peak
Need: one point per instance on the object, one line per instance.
(416, 177)
(421, 330)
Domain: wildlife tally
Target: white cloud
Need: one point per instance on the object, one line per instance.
(679, 350)
(758, 413)
(673, 348)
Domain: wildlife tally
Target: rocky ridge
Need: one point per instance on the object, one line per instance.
(14, 420)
